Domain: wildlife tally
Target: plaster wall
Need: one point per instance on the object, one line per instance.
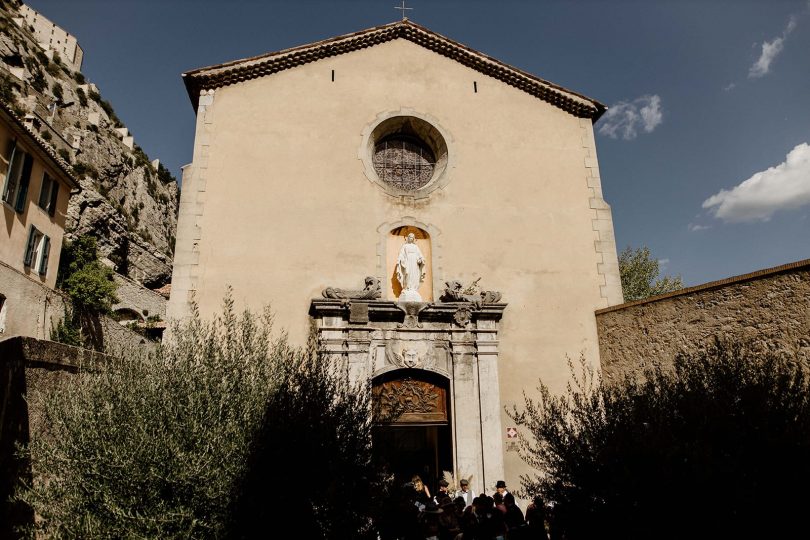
(277, 204)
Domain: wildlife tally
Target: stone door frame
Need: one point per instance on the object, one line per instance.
(456, 340)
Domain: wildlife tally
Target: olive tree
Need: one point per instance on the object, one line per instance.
(714, 446)
(639, 273)
(165, 445)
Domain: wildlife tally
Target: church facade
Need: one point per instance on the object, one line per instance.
(313, 167)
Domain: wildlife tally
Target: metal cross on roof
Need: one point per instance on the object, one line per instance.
(402, 8)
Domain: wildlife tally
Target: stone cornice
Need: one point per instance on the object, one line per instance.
(209, 78)
(387, 310)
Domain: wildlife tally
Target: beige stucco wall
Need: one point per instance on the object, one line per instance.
(276, 203)
(14, 233)
(768, 310)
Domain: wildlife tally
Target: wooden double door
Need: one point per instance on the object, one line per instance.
(413, 434)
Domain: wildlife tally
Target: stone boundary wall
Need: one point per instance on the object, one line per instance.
(28, 364)
(769, 308)
(31, 309)
(134, 296)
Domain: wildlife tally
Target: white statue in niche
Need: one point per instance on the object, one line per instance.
(410, 270)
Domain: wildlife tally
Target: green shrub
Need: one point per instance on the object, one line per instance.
(715, 448)
(68, 330)
(38, 81)
(87, 282)
(169, 445)
(82, 97)
(41, 57)
(164, 175)
(64, 153)
(46, 135)
(7, 88)
(79, 77)
(85, 169)
(52, 68)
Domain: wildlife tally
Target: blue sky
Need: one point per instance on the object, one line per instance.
(704, 156)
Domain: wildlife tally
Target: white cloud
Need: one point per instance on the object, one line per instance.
(625, 119)
(783, 187)
(770, 50)
(663, 262)
(694, 227)
(729, 87)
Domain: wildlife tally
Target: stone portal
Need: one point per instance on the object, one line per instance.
(438, 363)
(412, 434)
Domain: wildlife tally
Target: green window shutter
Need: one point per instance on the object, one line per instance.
(29, 247)
(25, 179)
(46, 248)
(45, 192)
(7, 186)
(54, 197)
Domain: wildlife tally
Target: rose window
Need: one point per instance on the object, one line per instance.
(404, 162)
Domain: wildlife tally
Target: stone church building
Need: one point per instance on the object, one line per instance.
(313, 165)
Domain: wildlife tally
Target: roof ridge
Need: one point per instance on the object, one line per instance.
(236, 71)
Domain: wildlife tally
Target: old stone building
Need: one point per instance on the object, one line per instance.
(37, 185)
(51, 37)
(313, 166)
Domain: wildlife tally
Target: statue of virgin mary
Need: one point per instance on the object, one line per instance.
(410, 270)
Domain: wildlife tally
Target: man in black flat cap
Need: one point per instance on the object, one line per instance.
(442, 493)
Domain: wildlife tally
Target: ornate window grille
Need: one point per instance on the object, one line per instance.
(404, 162)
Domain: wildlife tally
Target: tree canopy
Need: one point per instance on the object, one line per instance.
(639, 274)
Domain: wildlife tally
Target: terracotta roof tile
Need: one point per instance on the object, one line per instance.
(46, 151)
(212, 77)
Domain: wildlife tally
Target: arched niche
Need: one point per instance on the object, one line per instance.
(394, 242)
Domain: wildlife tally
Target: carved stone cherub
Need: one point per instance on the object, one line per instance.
(372, 291)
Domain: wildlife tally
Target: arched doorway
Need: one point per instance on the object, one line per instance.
(413, 432)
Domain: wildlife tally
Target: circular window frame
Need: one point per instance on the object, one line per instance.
(427, 129)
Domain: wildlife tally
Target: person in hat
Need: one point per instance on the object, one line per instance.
(430, 520)
(442, 493)
(466, 493)
(500, 487)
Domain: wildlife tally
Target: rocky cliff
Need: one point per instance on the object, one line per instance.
(127, 202)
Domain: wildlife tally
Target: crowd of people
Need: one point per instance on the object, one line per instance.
(461, 515)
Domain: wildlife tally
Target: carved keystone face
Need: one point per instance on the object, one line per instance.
(410, 358)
